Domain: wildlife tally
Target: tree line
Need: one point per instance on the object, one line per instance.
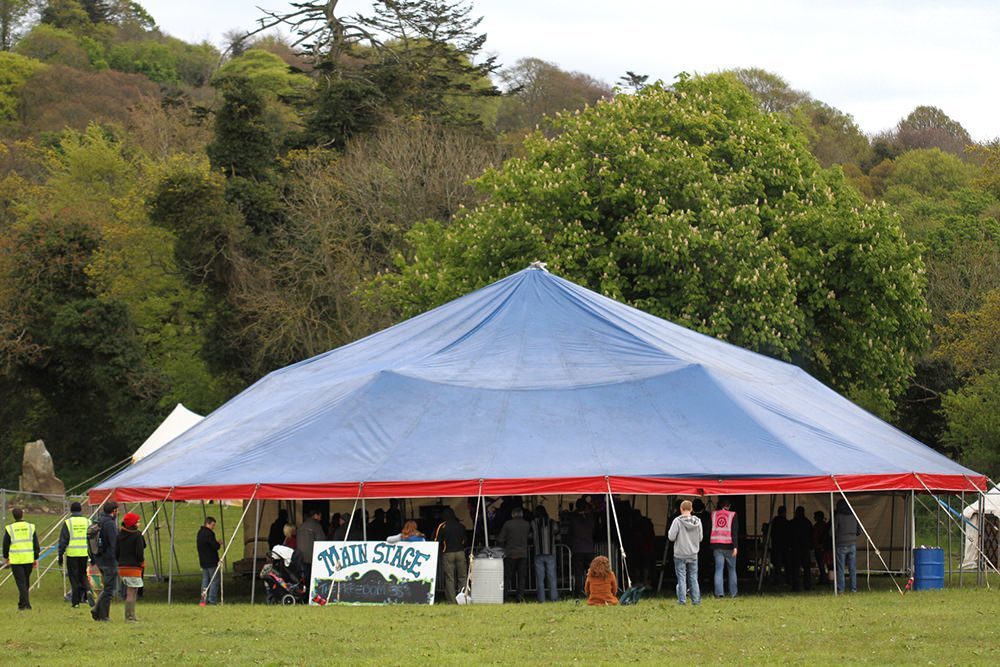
(176, 220)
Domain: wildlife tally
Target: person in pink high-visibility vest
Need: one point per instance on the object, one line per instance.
(723, 540)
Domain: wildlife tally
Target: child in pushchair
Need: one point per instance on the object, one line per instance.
(283, 577)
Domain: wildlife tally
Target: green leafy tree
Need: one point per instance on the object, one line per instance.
(13, 15)
(693, 204)
(245, 144)
(833, 136)
(969, 341)
(50, 44)
(15, 71)
(267, 72)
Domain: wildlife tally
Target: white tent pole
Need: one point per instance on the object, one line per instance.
(981, 575)
(951, 560)
(833, 541)
(170, 528)
(913, 527)
(618, 530)
(253, 566)
(767, 540)
(364, 521)
(232, 537)
(472, 551)
(865, 531)
(963, 533)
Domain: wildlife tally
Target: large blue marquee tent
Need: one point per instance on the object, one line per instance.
(535, 385)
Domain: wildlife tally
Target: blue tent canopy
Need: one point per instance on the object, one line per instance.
(535, 385)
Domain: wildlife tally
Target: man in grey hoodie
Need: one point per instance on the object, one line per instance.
(685, 533)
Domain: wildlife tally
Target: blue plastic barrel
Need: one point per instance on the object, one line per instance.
(928, 568)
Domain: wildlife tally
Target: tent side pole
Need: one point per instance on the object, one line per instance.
(170, 529)
(364, 521)
(892, 528)
(833, 541)
(666, 546)
(951, 561)
(222, 519)
(965, 531)
(152, 552)
(607, 522)
(981, 537)
(913, 526)
(253, 566)
(767, 542)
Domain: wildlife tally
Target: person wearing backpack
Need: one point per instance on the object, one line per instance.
(104, 555)
(20, 552)
(73, 546)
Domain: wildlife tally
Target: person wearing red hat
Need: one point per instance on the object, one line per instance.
(131, 561)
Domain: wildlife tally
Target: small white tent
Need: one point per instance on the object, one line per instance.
(991, 525)
(179, 421)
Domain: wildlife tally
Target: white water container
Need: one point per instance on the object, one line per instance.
(487, 580)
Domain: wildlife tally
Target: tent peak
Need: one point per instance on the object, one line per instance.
(539, 265)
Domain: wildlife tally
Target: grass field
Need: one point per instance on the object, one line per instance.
(951, 627)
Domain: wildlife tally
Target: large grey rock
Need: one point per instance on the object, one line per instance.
(38, 474)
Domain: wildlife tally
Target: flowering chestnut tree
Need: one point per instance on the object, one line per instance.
(691, 203)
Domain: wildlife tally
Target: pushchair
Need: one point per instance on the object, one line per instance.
(283, 577)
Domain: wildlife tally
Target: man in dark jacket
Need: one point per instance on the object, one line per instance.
(451, 535)
(73, 546)
(208, 559)
(801, 533)
(20, 553)
(105, 560)
(513, 538)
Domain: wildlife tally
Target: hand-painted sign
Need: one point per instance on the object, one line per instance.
(373, 572)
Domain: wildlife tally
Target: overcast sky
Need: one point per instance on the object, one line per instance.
(874, 59)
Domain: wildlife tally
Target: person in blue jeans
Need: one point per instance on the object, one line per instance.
(723, 540)
(208, 558)
(686, 534)
(845, 534)
(544, 533)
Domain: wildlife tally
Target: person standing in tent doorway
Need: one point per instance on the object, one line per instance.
(276, 534)
(106, 559)
(208, 558)
(306, 536)
(543, 534)
(724, 549)
(801, 533)
(450, 534)
(513, 538)
(846, 530)
(686, 534)
(20, 552)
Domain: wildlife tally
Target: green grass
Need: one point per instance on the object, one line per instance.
(955, 626)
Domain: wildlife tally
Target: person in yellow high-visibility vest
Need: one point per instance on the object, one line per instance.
(20, 552)
(73, 545)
